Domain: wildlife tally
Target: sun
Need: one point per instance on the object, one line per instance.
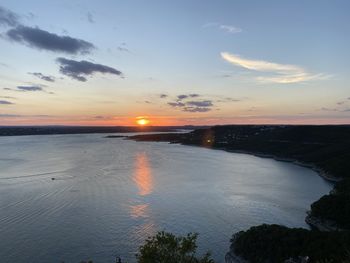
(142, 121)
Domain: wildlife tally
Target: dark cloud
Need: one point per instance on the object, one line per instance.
(176, 104)
(182, 96)
(202, 103)
(42, 76)
(8, 18)
(185, 96)
(196, 109)
(78, 70)
(5, 102)
(30, 88)
(163, 96)
(90, 18)
(192, 106)
(43, 40)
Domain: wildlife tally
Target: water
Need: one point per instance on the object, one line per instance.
(109, 195)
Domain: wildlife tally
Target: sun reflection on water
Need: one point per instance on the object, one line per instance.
(143, 175)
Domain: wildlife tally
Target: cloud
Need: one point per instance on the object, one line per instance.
(42, 76)
(227, 28)
(196, 109)
(20, 115)
(282, 73)
(203, 103)
(123, 49)
(43, 40)
(228, 99)
(90, 18)
(230, 29)
(7, 97)
(163, 96)
(176, 104)
(182, 96)
(8, 18)
(328, 109)
(78, 70)
(29, 88)
(5, 102)
(191, 106)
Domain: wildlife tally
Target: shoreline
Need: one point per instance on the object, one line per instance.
(313, 167)
(313, 222)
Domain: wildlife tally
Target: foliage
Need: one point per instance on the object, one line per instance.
(275, 243)
(167, 248)
(335, 207)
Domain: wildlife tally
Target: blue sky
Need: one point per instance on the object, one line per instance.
(246, 62)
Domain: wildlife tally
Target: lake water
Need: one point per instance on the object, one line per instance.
(109, 195)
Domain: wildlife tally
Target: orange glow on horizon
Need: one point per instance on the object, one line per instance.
(142, 121)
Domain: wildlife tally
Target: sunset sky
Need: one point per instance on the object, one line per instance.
(185, 62)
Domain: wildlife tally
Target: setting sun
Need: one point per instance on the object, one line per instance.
(142, 121)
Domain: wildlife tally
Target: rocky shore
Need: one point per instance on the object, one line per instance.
(321, 225)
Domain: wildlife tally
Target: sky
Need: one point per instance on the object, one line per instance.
(185, 62)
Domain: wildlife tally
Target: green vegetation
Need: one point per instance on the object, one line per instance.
(168, 248)
(335, 207)
(275, 244)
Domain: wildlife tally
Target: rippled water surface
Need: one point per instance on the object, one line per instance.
(109, 195)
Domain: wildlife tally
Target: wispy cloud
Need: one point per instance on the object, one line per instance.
(281, 73)
(176, 104)
(230, 29)
(42, 76)
(227, 28)
(7, 97)
(90, 18)
(8, 18)
(30, 88)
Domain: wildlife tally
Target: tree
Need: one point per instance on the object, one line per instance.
(167, 248)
